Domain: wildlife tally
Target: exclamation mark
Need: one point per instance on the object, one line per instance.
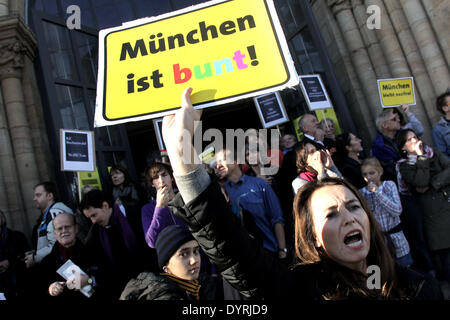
(252, 53)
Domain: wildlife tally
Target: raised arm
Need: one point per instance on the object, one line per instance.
(202, 206)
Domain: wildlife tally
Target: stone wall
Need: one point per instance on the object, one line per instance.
(413, 41)
(24, 152)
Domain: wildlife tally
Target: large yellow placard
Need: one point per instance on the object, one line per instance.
(225, 50)
(395, 92)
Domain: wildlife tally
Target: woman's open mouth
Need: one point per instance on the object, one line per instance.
(353, 239)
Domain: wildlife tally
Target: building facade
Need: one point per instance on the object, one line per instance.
(48, 75)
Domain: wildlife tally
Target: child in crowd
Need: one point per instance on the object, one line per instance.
(384, 201)
(180, 279)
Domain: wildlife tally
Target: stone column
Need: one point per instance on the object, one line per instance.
(36, 121)
(417, 65)
(4, 8)
(341, 59)
(17, 42)
(429, 48)
(359, 56)
(371, 42)
(438, 12)
(398, 65)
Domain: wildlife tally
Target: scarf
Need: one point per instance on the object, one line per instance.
(192, 286)
(308, 176)
(118, 219)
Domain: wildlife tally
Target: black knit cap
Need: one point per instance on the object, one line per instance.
(169, 240)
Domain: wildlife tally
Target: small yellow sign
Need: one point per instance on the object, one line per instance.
(225, 50)
(88, 178)
(208, 155)
(395, 92)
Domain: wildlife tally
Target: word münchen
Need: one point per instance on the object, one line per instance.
(158, 43)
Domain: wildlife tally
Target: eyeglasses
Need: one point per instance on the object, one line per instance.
(62, 228)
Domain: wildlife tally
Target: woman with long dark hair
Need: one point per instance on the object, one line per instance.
(312, 165)
(336, 237)
(346, 157)
(426, 172)
(124, 190)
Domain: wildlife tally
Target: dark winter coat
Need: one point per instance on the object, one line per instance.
(152, 286)
(255, 273)
(435, 174)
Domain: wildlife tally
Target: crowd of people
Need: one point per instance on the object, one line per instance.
(309, 230)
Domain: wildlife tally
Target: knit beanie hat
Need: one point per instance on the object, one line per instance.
(169, 240)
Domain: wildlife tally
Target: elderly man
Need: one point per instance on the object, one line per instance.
(384, 147)
(309, 124)
(67, 247)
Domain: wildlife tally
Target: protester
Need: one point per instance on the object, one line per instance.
(256, 196)
(384, 201)
(67, 247)
(346, 157)
(313, 165)
(288, 142)
(179, 260)
(427, 171)
(124, 190)
(46, 199)
(156, 215)
(410, 122)
(441, 130)
(329, 140)
(337, 237)
(116, 242)
(308, 124)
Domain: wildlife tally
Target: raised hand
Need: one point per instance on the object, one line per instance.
(176, 126)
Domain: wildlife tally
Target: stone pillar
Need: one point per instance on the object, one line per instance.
(371, 42)
(341, 59)
(17, 8)
(429, 48)
(359, 56)
(4, 8)
(398, 65)
(37, 123)
(411, 51)
(17, 42)
(438, 12)
(13, 206)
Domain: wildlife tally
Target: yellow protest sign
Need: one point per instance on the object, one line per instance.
(88, 178)
(329, 114)
(208, 155)
(225, 50)
(395, 92)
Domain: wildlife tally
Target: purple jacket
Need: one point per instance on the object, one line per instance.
(155, 219)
